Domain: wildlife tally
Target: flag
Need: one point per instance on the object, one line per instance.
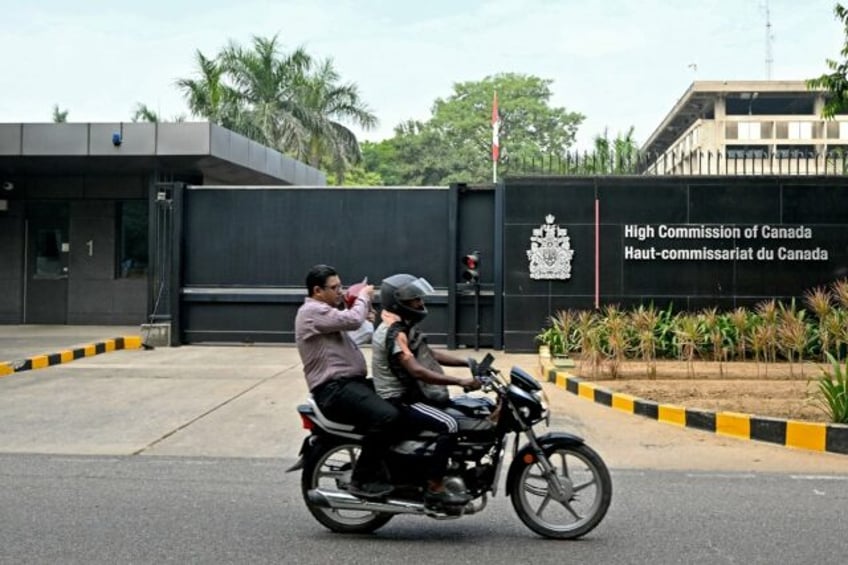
(496, 123)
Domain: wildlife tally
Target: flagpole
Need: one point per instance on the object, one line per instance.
(496, 121)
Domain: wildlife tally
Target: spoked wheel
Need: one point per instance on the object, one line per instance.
(329, 467)
(586, 491)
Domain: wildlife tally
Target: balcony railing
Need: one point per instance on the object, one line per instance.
(738, 162)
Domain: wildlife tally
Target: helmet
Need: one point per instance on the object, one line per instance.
(397, 289)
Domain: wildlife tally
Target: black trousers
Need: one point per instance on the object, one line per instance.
(352, 400)
(419, 416)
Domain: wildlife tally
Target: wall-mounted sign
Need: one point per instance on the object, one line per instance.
(550, 251)
(721, 243)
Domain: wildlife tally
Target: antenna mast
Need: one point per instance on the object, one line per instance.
(769, 38)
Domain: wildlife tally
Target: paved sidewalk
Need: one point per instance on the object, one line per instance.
(18, 342)
(240, 401)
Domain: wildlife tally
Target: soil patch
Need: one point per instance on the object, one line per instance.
(774, 389)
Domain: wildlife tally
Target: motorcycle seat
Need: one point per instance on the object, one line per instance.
(325, 422)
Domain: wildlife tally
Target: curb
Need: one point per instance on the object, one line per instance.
(67, 355)
(813, 436)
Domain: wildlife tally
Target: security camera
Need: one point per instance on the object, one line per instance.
(8, 186)
(117, 139)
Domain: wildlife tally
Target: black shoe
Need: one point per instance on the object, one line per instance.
(446, 498)
(375, 489)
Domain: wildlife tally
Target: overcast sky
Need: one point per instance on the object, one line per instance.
(621, 63)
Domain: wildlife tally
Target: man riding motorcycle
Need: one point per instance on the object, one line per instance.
(409, 374)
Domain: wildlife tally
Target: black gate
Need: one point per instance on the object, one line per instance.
(245, 252)
(239, 255)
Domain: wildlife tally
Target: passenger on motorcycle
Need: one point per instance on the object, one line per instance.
(336, 371)
(409, 374)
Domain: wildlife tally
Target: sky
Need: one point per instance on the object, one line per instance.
(620, 63)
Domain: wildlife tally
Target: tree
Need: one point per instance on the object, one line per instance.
(424, 156)
(329, 104)
(356, 176)
(209, 96)
(284, 100)
(59, 116)
(611, 157)
(143, 113)
(836, 82)
(266, 81)
(455, 145)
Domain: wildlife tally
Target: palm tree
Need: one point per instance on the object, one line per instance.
(59, 116)
(328, 103)
(266, 83)
(143, 113)
(277, 99)
(209, 96)
(613, 157)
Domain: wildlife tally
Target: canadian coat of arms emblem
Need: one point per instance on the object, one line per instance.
(550, 251)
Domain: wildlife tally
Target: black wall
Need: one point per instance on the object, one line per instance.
(819, 204)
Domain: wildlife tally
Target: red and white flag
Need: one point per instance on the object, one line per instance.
(496, 123)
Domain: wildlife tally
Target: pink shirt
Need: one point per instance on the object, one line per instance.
(326, 351)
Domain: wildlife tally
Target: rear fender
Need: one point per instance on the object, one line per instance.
(307, 444)
(546, 442)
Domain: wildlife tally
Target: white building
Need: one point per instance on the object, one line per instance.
(748, 127)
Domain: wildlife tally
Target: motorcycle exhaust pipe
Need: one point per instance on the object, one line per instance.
(340, 500)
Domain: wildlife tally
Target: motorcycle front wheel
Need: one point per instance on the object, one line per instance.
(329, 467)
(586, 486)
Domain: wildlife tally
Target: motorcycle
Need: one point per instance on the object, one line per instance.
(559, 486)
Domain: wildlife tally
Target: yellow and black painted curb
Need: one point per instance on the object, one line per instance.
(67, 355)
(789, 433)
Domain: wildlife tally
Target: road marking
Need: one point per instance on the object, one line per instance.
(722, 476)
(819, 477)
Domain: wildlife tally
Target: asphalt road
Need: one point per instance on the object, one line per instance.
(94, 509)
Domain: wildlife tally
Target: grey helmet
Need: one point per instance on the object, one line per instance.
(399, 288)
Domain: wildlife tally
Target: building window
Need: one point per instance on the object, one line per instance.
(800, 130)
(746, 152)
(749, 130)
(795, 152)
(132, 239)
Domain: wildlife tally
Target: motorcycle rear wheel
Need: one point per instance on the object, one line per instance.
(329, 467)
(585, 477)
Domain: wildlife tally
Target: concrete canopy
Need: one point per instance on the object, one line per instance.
(219, 155)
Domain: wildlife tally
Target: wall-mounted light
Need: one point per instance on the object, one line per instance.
(8, 186)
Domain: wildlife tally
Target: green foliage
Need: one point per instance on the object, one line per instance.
(553, 339)
(611, 156)
(288, 101)
(833, 386)
(835, 82)
(355, 176)
(143, 113)
(612, 335)
(59, 116)
(455, 144)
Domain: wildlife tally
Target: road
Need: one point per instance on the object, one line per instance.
(177, 455)
(96, 509)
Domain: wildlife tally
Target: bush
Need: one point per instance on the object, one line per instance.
(833, 385)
